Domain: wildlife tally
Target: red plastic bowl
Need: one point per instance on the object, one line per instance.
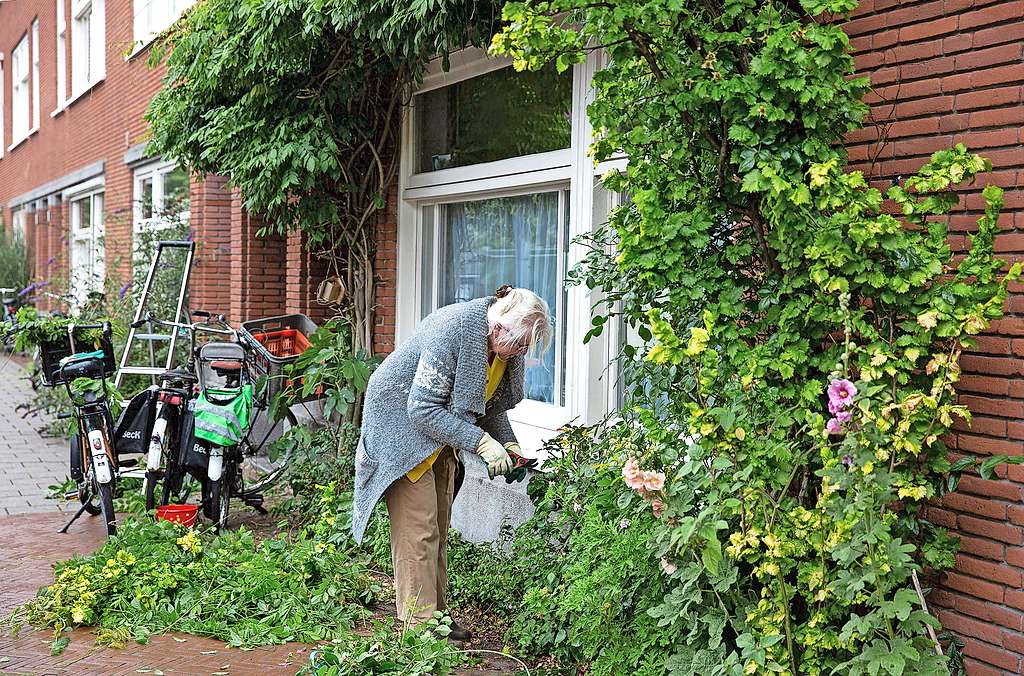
(183, 514)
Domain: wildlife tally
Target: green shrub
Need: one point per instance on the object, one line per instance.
(13, 265)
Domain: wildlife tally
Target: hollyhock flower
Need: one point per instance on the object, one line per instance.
(841, 392)
(833, 426)
(654, 481)
(124, 291)
(667, 566)
(848, 460)
(835, 407)
(844, 416)
(658, 507)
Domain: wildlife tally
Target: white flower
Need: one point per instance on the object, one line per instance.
(624, 524)
(667, 566)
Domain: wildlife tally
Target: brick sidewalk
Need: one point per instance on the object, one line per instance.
(29, 463)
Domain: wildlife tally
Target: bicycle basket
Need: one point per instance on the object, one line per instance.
(222, 417)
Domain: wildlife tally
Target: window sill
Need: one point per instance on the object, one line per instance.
(74, 98)
(24, 138)
(140, 46)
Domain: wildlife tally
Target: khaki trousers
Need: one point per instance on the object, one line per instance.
(420, 515)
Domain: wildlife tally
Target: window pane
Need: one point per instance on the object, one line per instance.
(146, 198)
(495, 116)
(176, 197)
(509, 240)
(83, 209)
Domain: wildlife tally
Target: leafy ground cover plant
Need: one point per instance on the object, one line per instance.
(156, 576)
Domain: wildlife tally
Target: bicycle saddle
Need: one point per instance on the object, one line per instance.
(83, 365)
(179, 376)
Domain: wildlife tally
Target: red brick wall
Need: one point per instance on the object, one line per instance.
(211, 230)
(257, 282)
(386, 263)
(944, 72)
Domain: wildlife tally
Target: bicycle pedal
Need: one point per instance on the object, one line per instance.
(253, 500)
(71, 495)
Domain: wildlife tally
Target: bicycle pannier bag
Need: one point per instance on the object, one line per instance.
(195, 453)
(134, 427)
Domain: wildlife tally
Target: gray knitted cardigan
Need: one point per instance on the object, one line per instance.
(427, 393)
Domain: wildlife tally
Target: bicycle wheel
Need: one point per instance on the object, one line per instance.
(260, 469)
(220, 497)
(263, 431)
(105, 493)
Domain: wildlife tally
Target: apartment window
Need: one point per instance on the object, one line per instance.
(153, 16)
(86, 265)
(88, 58)
(19, 91)
(35, 74)
(62, 67)
(161, 195)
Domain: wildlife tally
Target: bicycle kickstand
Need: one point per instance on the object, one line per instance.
(81, 510)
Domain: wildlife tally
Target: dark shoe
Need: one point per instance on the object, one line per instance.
(458, 633)
(455, 633)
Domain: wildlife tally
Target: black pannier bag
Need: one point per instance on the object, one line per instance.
(195, 453)
(135, 426)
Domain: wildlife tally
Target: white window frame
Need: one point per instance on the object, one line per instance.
(19, 92)
(35, 76)
(152, 17)
(92, 239)
(88, 45)
(586, 395)
(156, 172)
(62, 66)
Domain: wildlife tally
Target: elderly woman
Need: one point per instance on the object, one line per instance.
(444, 392)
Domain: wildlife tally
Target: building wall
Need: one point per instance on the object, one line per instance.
(947, 72)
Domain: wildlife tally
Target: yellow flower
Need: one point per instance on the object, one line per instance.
(78, 615)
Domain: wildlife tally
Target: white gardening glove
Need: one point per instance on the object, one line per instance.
(494, 455)
(513, 447)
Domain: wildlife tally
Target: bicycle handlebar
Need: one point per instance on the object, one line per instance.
(196, 326)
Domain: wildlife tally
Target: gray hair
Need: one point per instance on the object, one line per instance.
(522, 313)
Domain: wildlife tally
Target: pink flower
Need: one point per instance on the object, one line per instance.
(654, 481)
(833, 426)
(844, 416)
(841, 392)
(658, 507)
(632, 474)
(835, 407)
(668, 567)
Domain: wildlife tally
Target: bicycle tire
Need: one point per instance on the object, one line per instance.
(105, 492)
(220, 497)
(149, 489)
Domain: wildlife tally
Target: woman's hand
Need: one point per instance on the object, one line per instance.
(494, 455)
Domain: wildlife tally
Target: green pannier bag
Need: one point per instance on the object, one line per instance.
(222, 417)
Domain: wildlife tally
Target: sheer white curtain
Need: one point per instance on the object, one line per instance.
(507, 240)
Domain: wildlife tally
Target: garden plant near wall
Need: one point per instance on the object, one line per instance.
(806, 329)
(299, 104)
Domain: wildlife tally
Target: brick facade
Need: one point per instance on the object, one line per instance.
(945, 72)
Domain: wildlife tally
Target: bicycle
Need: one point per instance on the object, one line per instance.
(176, 453)
(93, 461)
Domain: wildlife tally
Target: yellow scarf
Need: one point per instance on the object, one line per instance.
(495, 371)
